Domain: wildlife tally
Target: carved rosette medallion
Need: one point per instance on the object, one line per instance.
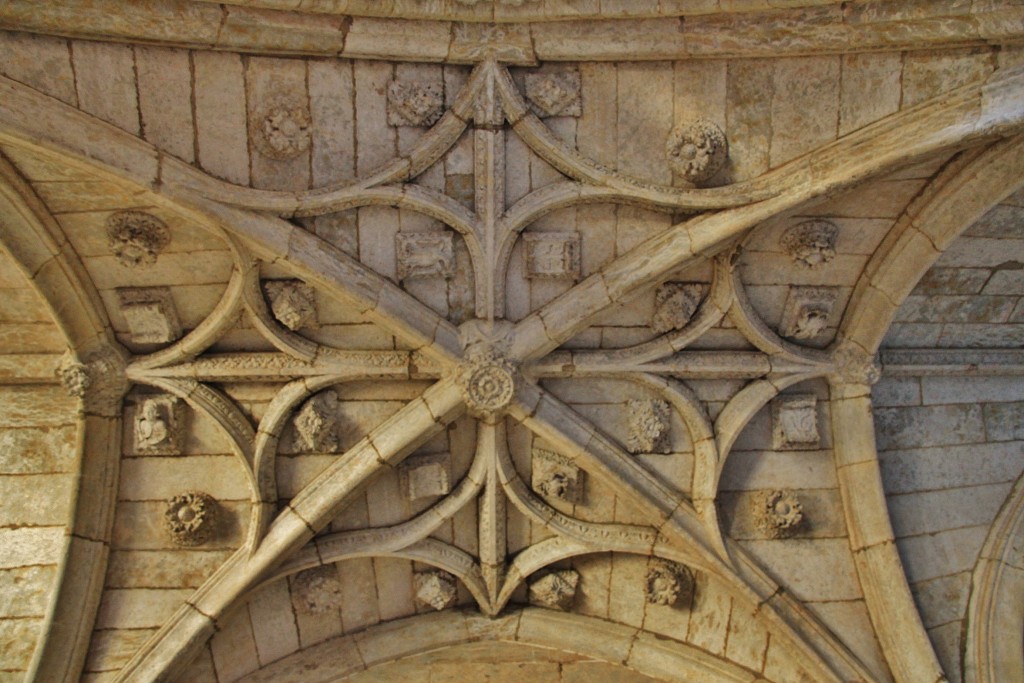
(190, 518)
(556, 590)
(436, 589)
(697, 150)
(668, 583)
(779, 514)
(812, 243)
(281, 130)
(136, 237)
(488, 382)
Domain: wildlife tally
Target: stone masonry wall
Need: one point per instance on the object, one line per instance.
(950, 450)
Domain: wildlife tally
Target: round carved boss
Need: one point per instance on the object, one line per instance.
(488, 384)
(697, 150)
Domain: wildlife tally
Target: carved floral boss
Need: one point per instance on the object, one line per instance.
(492, 369)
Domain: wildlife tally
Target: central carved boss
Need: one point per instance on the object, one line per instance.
(488, 382)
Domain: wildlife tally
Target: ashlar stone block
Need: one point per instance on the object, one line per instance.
(425, 254)
(317, 590)
(795, 423)
(555, 476)
(552, 255)
(807, 312)
(425, 476)
(158, 426)
(150, 314)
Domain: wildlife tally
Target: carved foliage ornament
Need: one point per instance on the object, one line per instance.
(697, 151)
(292, 302)
(811, 243)
(436, 589)
(159, 426)
(674, 305)
(855, 365)
(807, 312)
(555, 476)
(316, 424)
(554, 93)
(556, 590)
(649, 425)
(414, 104)
(668, 583)
(281, 130)
(779, 514)
(136, 237)
(100, 383)
(190, 518)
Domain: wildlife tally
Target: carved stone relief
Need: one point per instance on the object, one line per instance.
(807, 312)
(854, 364)
(73, 376)
(425, 254)
(697, 151)
(556, 476)
(136, 237)
(317, 590)
(674, 305)
(554, 93)
(488, 382)
(191, 518)
(811, 243)
(556, 590)
(668, 583)
(552, 255)
(779, 514)
(414, 104)
(650, 423)
(316, 424)
(101, 383)
(158, 426)
(281, 130)
(437, 589)
(795, 423)
(425, 476)
(150, 314)
(292, 302)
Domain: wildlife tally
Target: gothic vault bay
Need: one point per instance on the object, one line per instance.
(557, 341)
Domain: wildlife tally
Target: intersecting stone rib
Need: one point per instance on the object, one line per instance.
(310, 511)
